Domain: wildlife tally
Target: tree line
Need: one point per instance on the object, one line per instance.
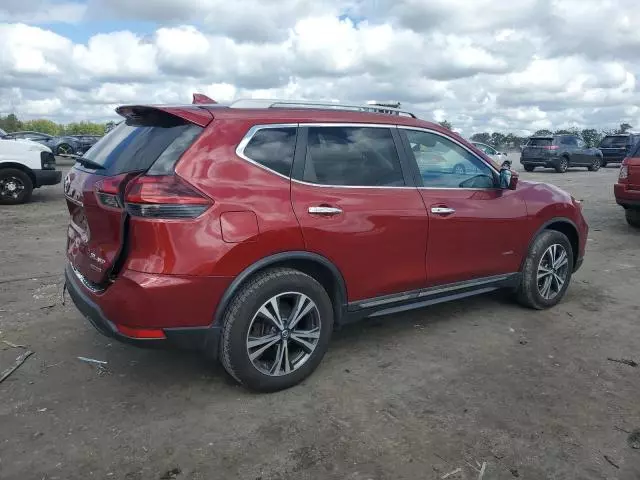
(11, 123)
(590, 136)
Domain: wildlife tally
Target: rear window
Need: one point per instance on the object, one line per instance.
(540, 142)
(614, 141)
(133, 147)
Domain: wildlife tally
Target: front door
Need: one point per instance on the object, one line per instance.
(475, 229)
(353, 202)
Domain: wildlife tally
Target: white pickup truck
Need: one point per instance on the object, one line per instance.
(24, 165)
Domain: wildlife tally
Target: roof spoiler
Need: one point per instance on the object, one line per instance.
(200, 98)
(161, 114)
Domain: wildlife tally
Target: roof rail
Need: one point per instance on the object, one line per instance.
(389, 108)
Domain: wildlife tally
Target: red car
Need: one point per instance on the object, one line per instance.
(627, 190)
(250, 231)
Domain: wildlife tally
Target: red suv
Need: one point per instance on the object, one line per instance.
(250, 231)
(627, 190)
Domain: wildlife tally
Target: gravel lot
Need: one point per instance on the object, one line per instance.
(414, 396)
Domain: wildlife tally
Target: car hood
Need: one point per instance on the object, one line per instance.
(24, 144)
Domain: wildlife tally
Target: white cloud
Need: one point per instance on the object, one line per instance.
(482, 65)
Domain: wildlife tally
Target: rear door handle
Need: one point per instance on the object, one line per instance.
(442, 210)
(324, 210)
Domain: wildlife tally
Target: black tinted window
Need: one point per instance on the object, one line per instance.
(130, 148)
(352, 156)
(540, 142)
(568, 141)
(273, 148)
(614, 141)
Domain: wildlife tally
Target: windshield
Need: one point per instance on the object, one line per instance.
(130, 148)
(614, 141)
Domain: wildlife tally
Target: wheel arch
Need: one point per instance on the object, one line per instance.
(565, 226)
(20, 166)
(316, 266)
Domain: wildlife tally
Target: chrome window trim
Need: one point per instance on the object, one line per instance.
(254, 129)
(249, 136)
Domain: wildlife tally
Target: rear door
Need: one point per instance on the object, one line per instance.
(94, 188)
(357, 207)
(475, 229)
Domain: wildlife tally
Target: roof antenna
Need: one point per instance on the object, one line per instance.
(200, 98)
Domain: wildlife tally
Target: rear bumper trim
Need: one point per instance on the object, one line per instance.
(195, 338)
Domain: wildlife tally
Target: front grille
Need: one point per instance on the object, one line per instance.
(47, 160)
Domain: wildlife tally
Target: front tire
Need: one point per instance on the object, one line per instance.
(276, 330)
(633, 217)
(563, 165)
(15, 186)
(547, 271)
(529, 168)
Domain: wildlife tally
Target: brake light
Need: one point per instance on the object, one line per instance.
(551, 147)
(166, 196)
(107, 191)
(624, 170)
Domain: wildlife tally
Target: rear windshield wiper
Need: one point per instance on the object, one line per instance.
(85, 162)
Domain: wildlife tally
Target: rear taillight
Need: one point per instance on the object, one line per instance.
(551, 147)
(624, 170)
(164, 197)
(107, 191)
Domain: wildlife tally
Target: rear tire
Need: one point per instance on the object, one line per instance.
(15, 186)
(563, 165)
(257, 350)
(633, 217)
(595, 165)
(544, 268)
(529, 168)
(603, 163)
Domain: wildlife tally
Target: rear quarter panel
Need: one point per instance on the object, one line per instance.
(240, 191)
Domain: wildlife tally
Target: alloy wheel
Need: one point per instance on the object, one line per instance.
(553, 271)
(283, 334)
(11, 187)
(64, 149)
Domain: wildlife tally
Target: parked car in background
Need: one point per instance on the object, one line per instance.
(499, 157)
(64, 145)
(25, 165)
(615, 148)
(560, 152)
(627, 190)
(85, 142)
(250, 231)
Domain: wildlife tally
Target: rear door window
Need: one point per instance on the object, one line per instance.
(273, 148)
(352, 156)
(133, 147)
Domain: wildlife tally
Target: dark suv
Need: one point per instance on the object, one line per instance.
(559, 152)
(251, 231)
(615, 148)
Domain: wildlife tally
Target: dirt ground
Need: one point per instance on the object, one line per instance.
(529, 395)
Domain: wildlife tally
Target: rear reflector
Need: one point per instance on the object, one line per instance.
(141, 333)
(165, 197)
(107, 191)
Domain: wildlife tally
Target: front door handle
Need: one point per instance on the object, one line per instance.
(442, 210)
(325, 211)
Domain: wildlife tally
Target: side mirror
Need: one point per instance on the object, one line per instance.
(508, 178)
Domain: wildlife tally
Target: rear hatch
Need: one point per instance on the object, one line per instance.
(538, 147)
(130, 171)
(615, 147)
